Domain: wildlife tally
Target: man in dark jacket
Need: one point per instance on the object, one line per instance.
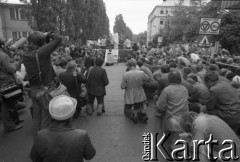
(97, 81)
(223, 100)
(70, 79)
(40, 44)
(61, 142)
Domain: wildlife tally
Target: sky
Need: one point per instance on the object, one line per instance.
(135, 12)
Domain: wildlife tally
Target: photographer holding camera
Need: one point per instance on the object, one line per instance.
(37, 61)
(9, 86)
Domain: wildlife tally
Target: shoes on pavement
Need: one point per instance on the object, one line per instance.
(17, 127)
(142, 116)
(20, 105)
(103, 109)
(19, 121)
(135, 118)
(99, 109)
(89, 109)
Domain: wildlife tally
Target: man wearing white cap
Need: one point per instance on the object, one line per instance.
(61, 142)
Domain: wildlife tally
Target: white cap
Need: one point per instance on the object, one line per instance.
(62, 107)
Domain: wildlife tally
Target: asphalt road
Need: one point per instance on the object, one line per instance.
(115, 137)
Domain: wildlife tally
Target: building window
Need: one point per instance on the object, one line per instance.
(24, 34)
(17, 14)
(161, 22)
(166, 11)
(15, 35)
(162, 12)
(23, 15)
(12, 13)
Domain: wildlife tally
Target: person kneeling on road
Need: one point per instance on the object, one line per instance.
(132, 82)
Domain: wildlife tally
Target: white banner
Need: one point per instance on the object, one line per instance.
(111, 56)
(160, 39)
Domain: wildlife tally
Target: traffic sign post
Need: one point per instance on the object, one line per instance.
(205, 41)
(210, 26)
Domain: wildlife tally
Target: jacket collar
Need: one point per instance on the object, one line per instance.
(61, 127)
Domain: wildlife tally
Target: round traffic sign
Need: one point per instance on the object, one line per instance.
(215, 26)
(205, 25)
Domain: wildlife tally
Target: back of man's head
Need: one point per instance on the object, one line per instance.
(140, 63)
(63, 63)
(174, 77)
(214, 67)
(131, 63)
(165, 68)
(71, 65)
(211, 76)
(36, 39)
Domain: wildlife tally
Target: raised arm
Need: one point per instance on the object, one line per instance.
(48, 48)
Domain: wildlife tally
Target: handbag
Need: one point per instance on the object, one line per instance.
(84, 92)
(58, 88)
(82, 97)
(11, 92)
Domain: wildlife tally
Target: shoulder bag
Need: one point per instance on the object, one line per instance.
(83, 92)
(58, 89)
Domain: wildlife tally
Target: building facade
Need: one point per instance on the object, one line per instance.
(13, 21)
(230, 5)
(160, 17)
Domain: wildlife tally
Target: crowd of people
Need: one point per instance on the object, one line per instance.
(193, 92)
(41, 65)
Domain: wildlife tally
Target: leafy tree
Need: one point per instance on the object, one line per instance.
(141, 38)
(230, 31)
(121, 28)
(185, 24)
(79, 19)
